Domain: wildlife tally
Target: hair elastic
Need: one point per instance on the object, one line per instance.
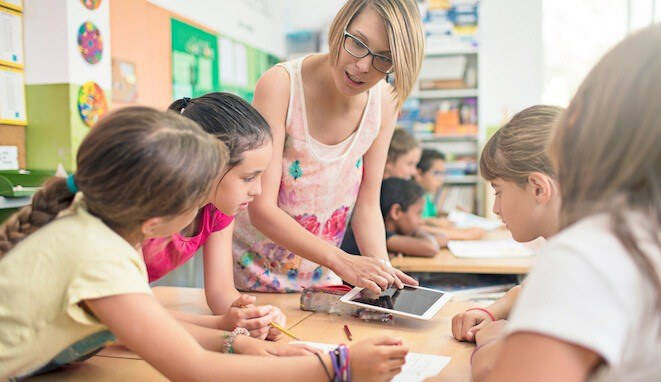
(71, 184)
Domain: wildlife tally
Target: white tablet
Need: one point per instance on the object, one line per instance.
(411, 301)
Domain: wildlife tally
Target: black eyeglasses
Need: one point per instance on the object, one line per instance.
(358, 49)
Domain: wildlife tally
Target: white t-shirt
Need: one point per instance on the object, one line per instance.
(585, 289)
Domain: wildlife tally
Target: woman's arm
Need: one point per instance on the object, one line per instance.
(367, 222)
(271, 100)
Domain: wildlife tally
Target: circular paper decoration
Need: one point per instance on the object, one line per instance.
(92, 104)
(91, 4)
(90, 42)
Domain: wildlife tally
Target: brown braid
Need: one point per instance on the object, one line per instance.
(46, 204)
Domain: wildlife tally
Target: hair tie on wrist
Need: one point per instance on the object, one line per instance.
(186, 102)
(493, 318)
(71, 184)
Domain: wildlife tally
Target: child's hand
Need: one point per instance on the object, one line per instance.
(253, 346)
(377, 359)
(491, 331)
(466, 324)
(474, 233)
(280, 319)
(244, 314)
(441, 239)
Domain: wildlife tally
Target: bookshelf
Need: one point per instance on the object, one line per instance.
(442, 110)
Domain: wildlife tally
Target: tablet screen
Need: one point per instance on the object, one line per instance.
(408, 300)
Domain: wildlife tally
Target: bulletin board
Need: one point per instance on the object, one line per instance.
(194, 61)
(11, 38)
(16, 5)
(12, 97)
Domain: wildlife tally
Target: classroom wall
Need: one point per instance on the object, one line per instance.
(510, 66)
(254, 22)
(141, 35)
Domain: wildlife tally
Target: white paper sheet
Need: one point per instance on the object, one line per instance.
(418, 366)
(486, 249)
(465, 220)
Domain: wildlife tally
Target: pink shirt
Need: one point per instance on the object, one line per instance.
(164, 254)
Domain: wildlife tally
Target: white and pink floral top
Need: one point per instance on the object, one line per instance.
(319, 191)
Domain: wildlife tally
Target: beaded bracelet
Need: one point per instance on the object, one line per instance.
(493, 318)
(228, 343)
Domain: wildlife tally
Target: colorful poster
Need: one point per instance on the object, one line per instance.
(90, 43)
(194, 61)
(91, 4)
(124, 81)
(92, 104)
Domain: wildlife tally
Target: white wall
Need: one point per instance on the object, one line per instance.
(51, 43)
(255, 22)
(511, 57)
(510, 65)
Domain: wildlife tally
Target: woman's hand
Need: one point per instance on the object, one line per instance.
(370, 273)
(377, 359)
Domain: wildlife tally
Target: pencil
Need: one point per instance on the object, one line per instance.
(283, 330)
(347, 332)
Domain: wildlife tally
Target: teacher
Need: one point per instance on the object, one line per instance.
(332, 117)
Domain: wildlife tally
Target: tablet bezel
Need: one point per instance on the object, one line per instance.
(428, 314)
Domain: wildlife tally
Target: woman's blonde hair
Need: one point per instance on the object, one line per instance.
(404, 28)
(607, 147)
(520, 147)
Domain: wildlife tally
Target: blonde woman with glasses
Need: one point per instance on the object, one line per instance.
(332, 117)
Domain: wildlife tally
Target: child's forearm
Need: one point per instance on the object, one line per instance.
(502, 307)
(484, 358)
(221, 301)
(204, 320)
(209, 338)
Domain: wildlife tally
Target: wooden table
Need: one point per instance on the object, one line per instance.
(432, 337)
(446, 262)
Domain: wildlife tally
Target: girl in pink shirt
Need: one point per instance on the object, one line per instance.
(248, 137)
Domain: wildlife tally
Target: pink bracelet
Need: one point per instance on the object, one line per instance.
(485, 311)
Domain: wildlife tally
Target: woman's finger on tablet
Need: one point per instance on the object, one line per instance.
(404, 278)
(389, 277)
(370, 285)
(379, 280)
